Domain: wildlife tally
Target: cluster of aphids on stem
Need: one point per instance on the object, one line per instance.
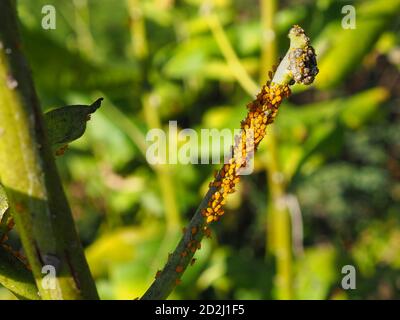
(261, 112)
(302, 61)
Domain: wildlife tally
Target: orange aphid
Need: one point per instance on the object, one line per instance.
(19, 207)
(207, 232)
(194, 230)
(158, 273)
(179, 269)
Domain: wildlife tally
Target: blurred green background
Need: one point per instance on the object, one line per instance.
(326, 188)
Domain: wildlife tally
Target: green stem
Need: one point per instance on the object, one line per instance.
(138, 30)
(163, 172)
(29, 175)
(278, 222)
(178, 261)
(268, 38)
(84, 38)
(240, 73)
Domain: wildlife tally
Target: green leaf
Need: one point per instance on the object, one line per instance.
(316, 272)
(320, 123)
(68, 123)
(4, 215)
(347, 47)
(16, 277)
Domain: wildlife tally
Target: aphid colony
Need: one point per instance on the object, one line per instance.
(302, 61)
(262, 112)
(298, 66)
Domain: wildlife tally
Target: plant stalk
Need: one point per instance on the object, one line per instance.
(277, 216)
(29, 175)
(262, 111)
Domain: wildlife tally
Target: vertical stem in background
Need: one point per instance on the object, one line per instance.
(29, 175)
(138, 30)
(268, 38)
(229, 53)
(162, 171)
(140, 52)
(278, 220)
(82, 26)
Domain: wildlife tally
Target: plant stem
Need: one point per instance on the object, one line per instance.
(262, 112)
(163, 172)
(240, 73)
(29, 175)
(138, 30)
(84, 39)
(277, 216)
(268, 37)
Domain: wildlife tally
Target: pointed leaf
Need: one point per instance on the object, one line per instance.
(68, 123)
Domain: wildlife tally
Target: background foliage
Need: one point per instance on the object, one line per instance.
(158, 60)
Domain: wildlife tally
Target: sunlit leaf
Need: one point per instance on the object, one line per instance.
(347, 47)
(316, 272)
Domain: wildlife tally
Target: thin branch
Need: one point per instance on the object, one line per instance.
(300, 64)
(239, 72)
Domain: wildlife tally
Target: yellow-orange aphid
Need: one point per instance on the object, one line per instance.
(183, 253)
(10, 224)
(207, 232)
(193, 261)
(19, 207)
(262, 112)
(194, 230)
(179, 269)
(62, 150)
